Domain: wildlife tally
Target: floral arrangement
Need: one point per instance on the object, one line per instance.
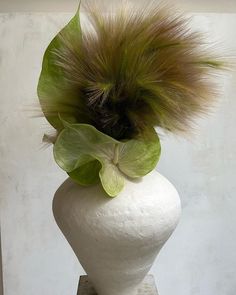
(104, 90)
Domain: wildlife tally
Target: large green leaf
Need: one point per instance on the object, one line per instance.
(80, 146)
(54, 91)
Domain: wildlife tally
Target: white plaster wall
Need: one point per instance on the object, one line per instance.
(228, 6)
(199, 259)
(1, 278)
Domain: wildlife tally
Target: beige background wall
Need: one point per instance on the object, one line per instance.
(1, 277)
(70, 5)
(199, 259)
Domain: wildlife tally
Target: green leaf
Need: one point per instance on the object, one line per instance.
(86, 174)
(86, 153)
(54, 92)
(68, 152)
(79, 144)
(111, 178)
(139, 157)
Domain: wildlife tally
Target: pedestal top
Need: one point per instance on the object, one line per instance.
(148, 286)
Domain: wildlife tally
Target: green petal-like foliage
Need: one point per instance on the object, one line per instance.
(88, 154)
(56, 94)
(86, 174)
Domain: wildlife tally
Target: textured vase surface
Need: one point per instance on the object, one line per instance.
(117, 239)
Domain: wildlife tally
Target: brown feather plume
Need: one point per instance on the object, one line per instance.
(139, 68)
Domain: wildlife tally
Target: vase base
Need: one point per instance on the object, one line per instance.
(148, 286)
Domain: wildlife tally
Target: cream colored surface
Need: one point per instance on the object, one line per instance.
(117, 239)
(70, 5)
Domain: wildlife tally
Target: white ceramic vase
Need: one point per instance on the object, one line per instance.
(117, 239)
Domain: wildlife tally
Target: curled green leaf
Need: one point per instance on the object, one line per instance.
(54, 90)
(139, 157)
(112, 179)
(80, 147)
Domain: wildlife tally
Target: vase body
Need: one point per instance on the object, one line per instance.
(117, 239)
